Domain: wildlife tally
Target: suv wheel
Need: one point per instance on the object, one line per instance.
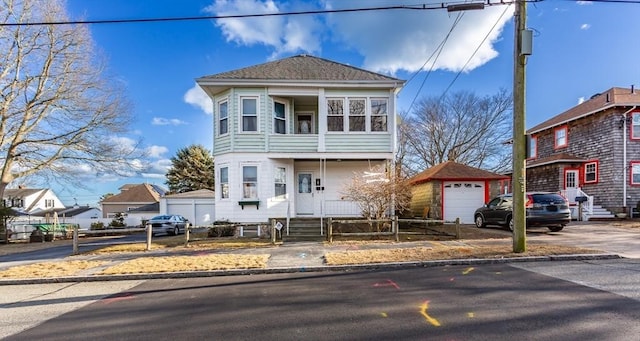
(510, 223)
(556, 228)
(480, 221)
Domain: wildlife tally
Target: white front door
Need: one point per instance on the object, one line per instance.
(571, 180)
(304, 193)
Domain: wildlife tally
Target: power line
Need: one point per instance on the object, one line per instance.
(422, 7)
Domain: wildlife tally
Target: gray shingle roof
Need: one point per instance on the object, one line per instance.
(301, 68)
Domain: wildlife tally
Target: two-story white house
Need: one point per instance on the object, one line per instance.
(289, 134)
(32, 200)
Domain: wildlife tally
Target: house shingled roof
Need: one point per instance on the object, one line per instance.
(138, 193)
(201, 193)
(451, 170)
(556, 158)
(614, 97)
(301, 68)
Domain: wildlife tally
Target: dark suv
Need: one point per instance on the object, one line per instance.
(542, 209)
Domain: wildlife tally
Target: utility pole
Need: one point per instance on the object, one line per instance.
(522, 48)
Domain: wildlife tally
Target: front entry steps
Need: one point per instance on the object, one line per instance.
(303, 229)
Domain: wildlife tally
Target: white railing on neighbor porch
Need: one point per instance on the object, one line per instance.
(587, 206)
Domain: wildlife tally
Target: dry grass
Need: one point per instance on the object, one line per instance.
(188, 263)
(417, 254)
(50, 269)
(176, 243)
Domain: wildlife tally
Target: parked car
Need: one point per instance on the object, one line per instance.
(171, 224)
(542, 209)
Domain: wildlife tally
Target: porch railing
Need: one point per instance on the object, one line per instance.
(587, 206)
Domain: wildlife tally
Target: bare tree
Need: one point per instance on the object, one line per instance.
(461, 127)
(58, 112)
(377, 192)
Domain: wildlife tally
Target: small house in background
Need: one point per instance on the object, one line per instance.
(197, 206)
(81, 212)
(452, 190)
(131, 197)
(32, 200)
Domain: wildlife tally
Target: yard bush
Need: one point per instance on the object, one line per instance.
(98, 225)
(222, 231)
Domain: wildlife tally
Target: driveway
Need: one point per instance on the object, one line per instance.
(619, 238)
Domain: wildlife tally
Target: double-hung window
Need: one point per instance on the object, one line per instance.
(591, 172)
(635, 173)
(379, 114)
(223, 118)
(250, 182)
(635, 125)
(560, 137)
(279, 118)
(249, 111)
(280, 181)
(224, 182)
(532, 153)
(357, 114)
(335, 115)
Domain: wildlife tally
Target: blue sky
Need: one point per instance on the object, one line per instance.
(579, 49)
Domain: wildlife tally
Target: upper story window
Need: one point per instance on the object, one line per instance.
(635, 125)
(224, 182)
(48, 203)
(532, 147)
(335, 115)
(250, 182)
(378, 114)
(591, 172)
(357, 114)
(280, 181)
(249, 112)
(561, 137)
(223, 118)
(279, 118)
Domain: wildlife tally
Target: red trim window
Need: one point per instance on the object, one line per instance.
(591, 172)
(634, 178)
(635, 125)
(532, 152)
(560, 137)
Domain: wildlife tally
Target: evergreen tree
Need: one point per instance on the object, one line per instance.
(191, 169)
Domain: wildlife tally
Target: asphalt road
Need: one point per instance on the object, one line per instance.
(595, 300)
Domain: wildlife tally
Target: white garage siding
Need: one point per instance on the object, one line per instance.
(197, 206)
(461, 199)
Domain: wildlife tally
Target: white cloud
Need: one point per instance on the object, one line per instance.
(197, 97)
(585, 26)
(389, 40)
(286, 34)
(156, 169)
(157, 151)
(580, 100)
(161, 121)
(584, 2)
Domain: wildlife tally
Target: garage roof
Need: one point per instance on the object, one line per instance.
(452, 170)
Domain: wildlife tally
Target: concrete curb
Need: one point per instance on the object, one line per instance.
(323, 268)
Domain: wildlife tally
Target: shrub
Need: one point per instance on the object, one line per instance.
(222, 231)
(118, 221)
(98, 225)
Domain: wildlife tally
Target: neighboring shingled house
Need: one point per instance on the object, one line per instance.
(131, 197)
(591, 150)
(452, 190)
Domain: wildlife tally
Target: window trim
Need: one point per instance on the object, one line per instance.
(533, 152)
(242, 115)
(564, 128)
(342, 115)
(257, 182)
(596, 171)
(220, 103)
(631, 130)
(363, 115)
(222, 183)
(276, 182)
(275, 118)
(371, 116)
(631, 164)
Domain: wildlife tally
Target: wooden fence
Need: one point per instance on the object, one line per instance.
(394, 223)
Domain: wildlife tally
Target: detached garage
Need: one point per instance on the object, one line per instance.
(452, 190)
(197, 206)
